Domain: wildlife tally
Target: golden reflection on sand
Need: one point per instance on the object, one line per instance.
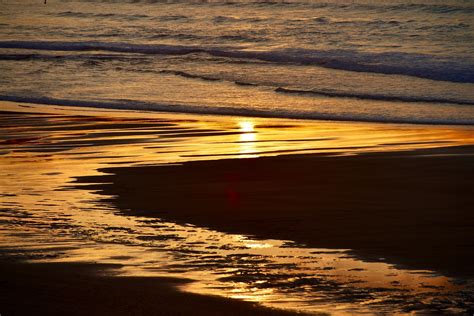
(247, 127)
(42, 155)
(247, 139)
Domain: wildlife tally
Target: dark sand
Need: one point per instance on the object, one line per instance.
(87, 289)
(411, 208)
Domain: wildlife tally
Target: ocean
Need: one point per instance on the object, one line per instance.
(377, 61)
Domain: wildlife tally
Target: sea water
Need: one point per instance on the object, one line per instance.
(382, 61)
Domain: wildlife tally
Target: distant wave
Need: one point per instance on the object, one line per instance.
(73, 57)
(397, 63)
(211, 110)
(326, 93)
(188, 75)
(123, 16)
(348, 5)
(104, 46)
(101, 15)
(432, 8)
(91, 58)
(379, 97)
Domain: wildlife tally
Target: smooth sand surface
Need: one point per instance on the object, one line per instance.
(412, 208)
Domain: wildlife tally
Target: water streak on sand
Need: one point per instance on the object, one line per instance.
(45, 218)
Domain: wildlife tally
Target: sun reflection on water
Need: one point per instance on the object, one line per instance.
(247, 126)
(247, 139)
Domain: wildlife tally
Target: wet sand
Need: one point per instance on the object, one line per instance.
(354, 191)
(412, 208)
(91, 289)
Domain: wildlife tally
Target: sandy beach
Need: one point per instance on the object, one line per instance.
(412, 208)
(135, 214)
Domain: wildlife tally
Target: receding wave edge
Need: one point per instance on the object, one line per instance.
(228, 111)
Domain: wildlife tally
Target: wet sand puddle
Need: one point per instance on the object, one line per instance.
(44, 218)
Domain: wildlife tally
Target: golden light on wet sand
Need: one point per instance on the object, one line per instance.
(45, 162)
(247, 138)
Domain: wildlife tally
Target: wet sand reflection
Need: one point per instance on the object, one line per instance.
(45, 216)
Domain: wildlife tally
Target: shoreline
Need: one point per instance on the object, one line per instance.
(146, 165)
(179, 109)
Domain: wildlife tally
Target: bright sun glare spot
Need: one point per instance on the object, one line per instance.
(247, 137)
(251, 294)
(246, 126)
(258, 245)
